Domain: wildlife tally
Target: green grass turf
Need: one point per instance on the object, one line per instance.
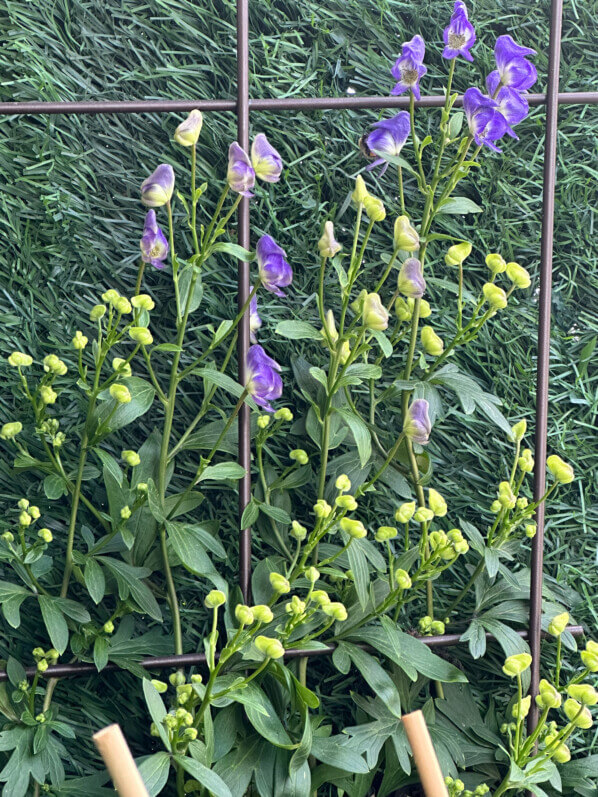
(70, 218)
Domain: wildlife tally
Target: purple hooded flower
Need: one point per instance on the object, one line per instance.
(486, 122)
(275, 272)
(153, 244)
(156, 190)
(388, 138)
(255, 321)
(240, 175)
(513, 106)
(417, 425)
(266, 161)
(411, 279)
(409, 67)
(514, 70)
(459, 35)
(263, 380)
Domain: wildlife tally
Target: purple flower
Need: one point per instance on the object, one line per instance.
(255, 321)
(388, 138)
(263, 380)
(275, 272)
(153, 244)
(409, 67)
(486, 122)
(156, 190)
(411, 279)
(417, 425)
(459, 35)
(266, 161)
(513, 106)
(240, 175)
(514, 70)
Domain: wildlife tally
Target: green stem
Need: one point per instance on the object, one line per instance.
(172, 596)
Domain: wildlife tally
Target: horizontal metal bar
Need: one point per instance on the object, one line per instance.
(284, 104)
(192, 659)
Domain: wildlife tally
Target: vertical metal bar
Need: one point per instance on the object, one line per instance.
(243, 292)
(549, 180)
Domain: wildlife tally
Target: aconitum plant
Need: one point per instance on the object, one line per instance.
(95, 548)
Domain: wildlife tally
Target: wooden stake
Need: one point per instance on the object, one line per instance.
(120, 764)
(424, 754)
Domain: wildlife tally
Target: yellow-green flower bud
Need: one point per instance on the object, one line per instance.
(549, 696)
(19, 359)
(518, 275)
(496, 263)
(335, 610)
(517, 664)
(54, 365)
(25, 519)
(300, 456)
(374, 208)
(375, 315)
(10, 430)
(347, 502)
(558, 624)
(457, 254)
(328, 245)
(132, 458)
(461, 547)
(42, 665)
(214, 599)
(120, 393)
(531, 530)
(110, 296)
(79, 341)
(122, 305)
(403, 578)
(312, 574)
(283, 414)
(262, 613)
(141, 335)
(385, 533)
(526, 461)
(584, 693)
(45, 535)
(432, 343)
(38, 653)
(97, 311)
(187, 133)
(423, 515)
(295, 606)
(403, 310)
(424, 624)
(518, 430)
(329, 327)
(143, 302)
(34, 512)
(142, 487)
(321, 597)
(561, 470)
(47, 395)
(263, 421)
(495, 507)
(23, 503)
(279, 583)
(438, 539)
(196, 678)
(425, 311)
(345, 352)
(244, 614)
(506, 496)
(159, 686)
(190, 734)
(495, 296)
(589, 656)
(108, 627)
(125, 512)
(298, 532)
(579, 716)
(52, 655)
(272, 648)
(437, 627)
(522, 503)
(521, 712)
(354, 528)
(170, 722)
(360, 193)
(343, 483)
(121, 367)
(405, 512)
(8, 537)
(562, 754)
(322, 509)
(405, 236)
(437, 503)
(176, 678)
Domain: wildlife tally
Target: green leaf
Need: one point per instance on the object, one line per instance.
(334, 751)
(382, 341)
(221, 332)
(55, 623)
(361, 574)
(250, 514)
(16, 672)
(153, 501)
(189, 547)
(11, 604)
(235, 250)
(142, 397)
(184, 286)
(222, 471)
(361, 434)
(54, 486)
(156, 709)
(455, 124)
(298, 330)
(110, 465)
(100, 652)
(458, 206)
(301, 754)
(129, 580)
(262, 715)
(154, 770)
(298, 783)
(356, 373)
(220, 380)
(276, 513)
(376, 678)
(209, 779)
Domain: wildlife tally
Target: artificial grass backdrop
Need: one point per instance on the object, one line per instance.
(71, 216)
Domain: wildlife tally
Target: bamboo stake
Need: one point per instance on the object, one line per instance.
(424, 754)
(120, 764)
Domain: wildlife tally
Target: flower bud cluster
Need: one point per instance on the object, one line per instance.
(430, 627)
(456, 788)
(45, 658)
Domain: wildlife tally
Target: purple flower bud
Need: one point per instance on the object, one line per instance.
(417, 426)
(255, 321)
(486, 122)
(266, 161)
(240, 175)
(156, 190)
(263, 380)
(459, 36)
(388, 138)
(409, 68)
(514, 70)
(153, 244)
(275, 272)
(411, 281)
